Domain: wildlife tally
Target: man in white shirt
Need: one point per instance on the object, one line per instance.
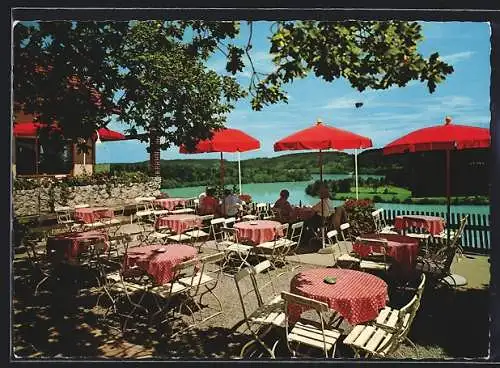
(231, 203)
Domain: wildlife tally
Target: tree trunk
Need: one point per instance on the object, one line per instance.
(154, 153)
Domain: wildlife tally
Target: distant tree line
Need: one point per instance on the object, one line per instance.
(344, 185)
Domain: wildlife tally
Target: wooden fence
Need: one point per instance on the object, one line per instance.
(476, 234)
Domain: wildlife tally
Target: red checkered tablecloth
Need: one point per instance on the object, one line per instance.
(259, 231)
(159, 265)
(70, 245)
(170, 203)
(179, 223)
(357, 296)
(93, 214)
(433, 224)
(403, 249)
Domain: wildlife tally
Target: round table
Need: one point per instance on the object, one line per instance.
(160, 265)
(179, 223)
(70, 245)
(258, 231)
(92, 214)
(170, 203)
(433, 224)
(357, 296)
(403, 249)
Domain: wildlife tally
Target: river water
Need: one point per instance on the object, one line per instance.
(269, 192)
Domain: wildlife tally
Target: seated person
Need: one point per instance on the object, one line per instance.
(324, 208)
(284, 207)
(209, 204)
(231, 204)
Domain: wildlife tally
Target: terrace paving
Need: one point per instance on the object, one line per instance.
(63, 321)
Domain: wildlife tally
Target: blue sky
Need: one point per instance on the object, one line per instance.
(385, 115)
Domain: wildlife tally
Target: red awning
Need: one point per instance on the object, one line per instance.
(29, 129)
(442, 137)
(226, 140)
(322, 137)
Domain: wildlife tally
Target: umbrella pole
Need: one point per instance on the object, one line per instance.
(356, 170)
(448, 195)
(221, 171)
(239, 170)
(321, 197)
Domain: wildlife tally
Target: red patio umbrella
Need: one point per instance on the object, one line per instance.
(445, 137)
(323, 137)
(226, 140)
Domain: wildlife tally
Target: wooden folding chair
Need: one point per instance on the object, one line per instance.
(381, 340)
(258, 317)
(307, 331)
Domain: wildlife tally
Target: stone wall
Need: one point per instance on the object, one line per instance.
(43, 199)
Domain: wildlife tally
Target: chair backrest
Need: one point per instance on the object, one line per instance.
(420, 287)
(344, 230)
(216, 226)
(296, 233)
(229, 221)
(81, 205)
(260, 286)
(261, 210)
(276, 213)
(332, 237)
(319, 307)
(247, 292)
(63, 214)
(459, 232)
(377, 219)
(284, 227)
(190, 203)
(230, 234)
(406, 316)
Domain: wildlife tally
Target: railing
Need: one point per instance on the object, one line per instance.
(476, 234)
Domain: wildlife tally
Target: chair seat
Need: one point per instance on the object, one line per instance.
(94, 224)
(271, 245)
(239, 248)
(169, 289)
(182, 210)
(250, 217)
(126, 286)
(161, 212)
(190, 281)
(371, 265)
(157, 235)
(388, 231)
(144, 213)
(64, 222)
(196, 233)
(179, 237)
(308, 333)
(373, 340)
(419, 236)
(270, 313)
(348, 258)
(428, 266)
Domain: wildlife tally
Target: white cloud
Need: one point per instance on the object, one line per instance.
(457, 57)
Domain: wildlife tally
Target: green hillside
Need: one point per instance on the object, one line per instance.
(288, 167)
